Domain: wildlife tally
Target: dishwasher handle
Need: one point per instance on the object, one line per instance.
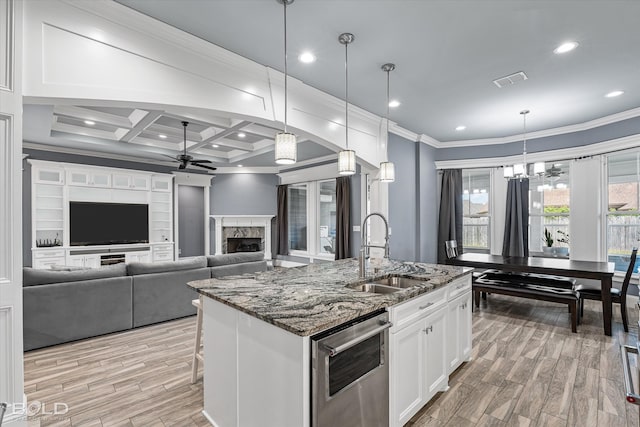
(631, 396)
(333, 351)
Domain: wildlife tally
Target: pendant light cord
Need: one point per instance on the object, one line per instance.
(346, 94)
(386, 150)
(285, 65)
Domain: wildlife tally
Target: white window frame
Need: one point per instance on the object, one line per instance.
(488, 216)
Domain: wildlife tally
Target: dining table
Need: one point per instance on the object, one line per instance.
(566, 267)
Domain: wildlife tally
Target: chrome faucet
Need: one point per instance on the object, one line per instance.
(364, 246)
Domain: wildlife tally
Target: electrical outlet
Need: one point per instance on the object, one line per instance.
(179, 251)
(356, 228)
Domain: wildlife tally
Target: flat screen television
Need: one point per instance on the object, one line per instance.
(108, 223)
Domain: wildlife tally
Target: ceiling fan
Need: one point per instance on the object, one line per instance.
(185, 159)
(554, 172)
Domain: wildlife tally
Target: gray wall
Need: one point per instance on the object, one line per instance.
(575, 139)
(428, 194)
(403, 200)
(242, 194)
(190, 221)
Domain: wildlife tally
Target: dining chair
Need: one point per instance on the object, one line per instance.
(594, 291)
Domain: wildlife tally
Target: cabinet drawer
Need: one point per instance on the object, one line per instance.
(162, 248)
(408, 312)
(162, 256)
(47, 262)
(459, 287)
(49, 254)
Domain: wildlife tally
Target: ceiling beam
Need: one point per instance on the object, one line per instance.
(142, 125)
(229, 131)
(88, 114)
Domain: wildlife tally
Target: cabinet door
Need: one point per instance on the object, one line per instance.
(407, 360)
(454, 309)
(76, 260)
(100, 179)
(49, 176)
(161, 183)
(121, 181)
(75, 177)
(465, 336)
(436, 374)
(92, 261)
(140, 182)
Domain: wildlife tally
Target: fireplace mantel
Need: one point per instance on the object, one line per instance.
(243, 221)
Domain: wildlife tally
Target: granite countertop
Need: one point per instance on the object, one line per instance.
(310, 299)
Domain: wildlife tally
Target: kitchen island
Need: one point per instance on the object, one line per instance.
(258, 331)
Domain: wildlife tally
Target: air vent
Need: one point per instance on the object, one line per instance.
(510, 80)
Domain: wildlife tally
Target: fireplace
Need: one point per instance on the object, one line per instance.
(243, 244)
(243, 233)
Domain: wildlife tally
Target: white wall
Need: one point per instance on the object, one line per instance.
(11, 369)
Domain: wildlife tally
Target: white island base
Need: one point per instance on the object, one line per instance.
(255, 374)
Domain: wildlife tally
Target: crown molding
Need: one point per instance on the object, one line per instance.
(619, 144)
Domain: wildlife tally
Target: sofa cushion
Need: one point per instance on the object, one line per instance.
(32, 276)
(137, 268)
(234, 258)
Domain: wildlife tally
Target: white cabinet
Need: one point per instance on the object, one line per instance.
(92, 178)
(418, 357)
(48, 215)
(45, 258)
(88, 261)
(48, 175)
(161, 183)
(141, 256)
(459, 330)
(163, 252)
(132, 182)
(161, 217)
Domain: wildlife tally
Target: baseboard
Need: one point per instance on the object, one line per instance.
(209, 418)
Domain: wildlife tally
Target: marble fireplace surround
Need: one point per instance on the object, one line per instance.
(242, 226)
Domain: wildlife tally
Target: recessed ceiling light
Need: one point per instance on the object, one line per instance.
(215, 145)
(307, 57)
(239, 166)
(394, 103)
(241, 134)
(89, 122)
(565, 47)
(614, 93)
(162, 136)
(461, 127)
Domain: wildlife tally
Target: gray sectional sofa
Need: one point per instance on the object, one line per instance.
(63, 306)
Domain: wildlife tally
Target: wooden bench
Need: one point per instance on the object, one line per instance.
(532, 286)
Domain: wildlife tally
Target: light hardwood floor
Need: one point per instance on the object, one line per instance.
(528, 369)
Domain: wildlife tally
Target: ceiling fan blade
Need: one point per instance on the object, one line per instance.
(205, 167)
(169, 157)
(200, 161)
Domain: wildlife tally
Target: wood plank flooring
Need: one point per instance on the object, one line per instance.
(528, 369)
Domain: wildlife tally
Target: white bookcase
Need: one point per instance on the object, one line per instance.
(55, 184)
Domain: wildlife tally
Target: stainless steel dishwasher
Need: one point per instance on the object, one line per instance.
(350, 374)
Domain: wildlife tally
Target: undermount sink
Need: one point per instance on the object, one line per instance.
(398, 282)
(374, 288)
(387, 285)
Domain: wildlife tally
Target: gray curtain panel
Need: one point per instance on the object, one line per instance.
(343, 217)
(516, 225)
(450, 219)
(282, 220)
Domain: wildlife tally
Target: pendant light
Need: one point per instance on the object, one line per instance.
(346, 157)
(387, 168)
(519, 170)
(286, 149)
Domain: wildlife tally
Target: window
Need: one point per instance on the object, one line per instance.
(549, 208)
(312, 218)
(297, 217)
(327, 217)
(475, 212)
(623, 216)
